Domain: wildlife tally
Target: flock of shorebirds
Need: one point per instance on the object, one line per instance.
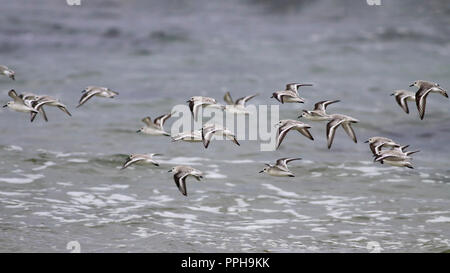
(384, 150)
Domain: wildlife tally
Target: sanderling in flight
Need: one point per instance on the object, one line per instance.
(287, 96)
(141, 158)
(47, 101)
(154, 128)
(284, 126)
(426, 88)
(30, 99)
(237, 106)
(91, 91)
(4, 70)
(209, 130)
(290, 95)
(402, 96)
(180, 174)
(345, 121)
(396, 157)
(319, 112)
(197, 102)
(192, 136)
(18, 104)
(376, 143)
(295, 86)
(280, 168)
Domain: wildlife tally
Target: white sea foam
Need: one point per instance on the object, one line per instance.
(429, 181)
(121, 197)
(50, 200)
(13, 193)
(271, 221)
(241, 203)
(297, 215)
(215, 210)
(45, 166)
(280, 191)
(86, 199)
(250, 227)
(319, 229)
(184, 160)
(169, 214)
(13, 148)
(28, 178)
(77, 160)
(440, 219)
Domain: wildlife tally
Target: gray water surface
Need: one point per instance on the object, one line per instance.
(61, 181)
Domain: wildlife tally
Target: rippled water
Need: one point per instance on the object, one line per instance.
(61, 181)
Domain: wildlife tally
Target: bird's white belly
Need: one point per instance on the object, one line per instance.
(291, 99)
(153, 132)
(397, 163)
(273, 172)
(192, 139)
(20, 108)
(314, 118)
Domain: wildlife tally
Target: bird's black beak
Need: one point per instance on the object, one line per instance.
(138, 131)
(366, 141)
(169, 171)
(411, 85)
(392, 94)
(261, 171)
(13, 77)
(6, 105)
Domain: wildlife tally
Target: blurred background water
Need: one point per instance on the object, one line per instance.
(60, 181)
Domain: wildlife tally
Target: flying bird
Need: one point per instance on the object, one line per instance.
(402, 97)
(18, 104)
(155, 127)
(280, 168)
(180, 175)
(91, 91)
(144, 158)
(376, 143)
(47, 101)
(396, 157)
(284, 126)
(192, 136)
(209, 130)
(197, 102)
(4, 70)
(237, 106)
(319, 112)
(426, 88)
(345, 122)
(295, 86)
(287, 96)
